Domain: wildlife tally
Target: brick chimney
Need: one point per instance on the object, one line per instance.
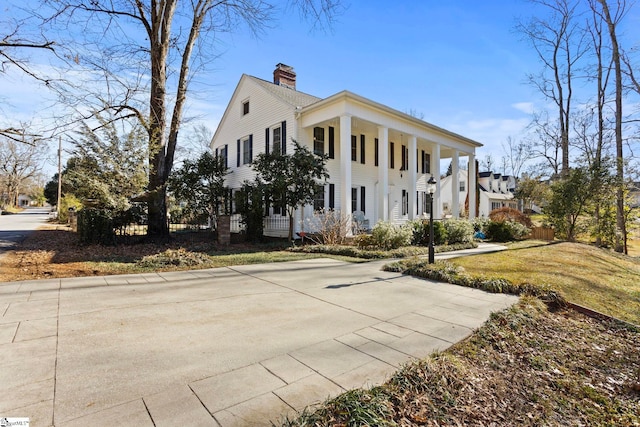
(284, 75)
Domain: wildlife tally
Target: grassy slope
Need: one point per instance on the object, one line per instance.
(596, 278)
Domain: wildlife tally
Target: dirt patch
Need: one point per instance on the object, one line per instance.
(54, 252)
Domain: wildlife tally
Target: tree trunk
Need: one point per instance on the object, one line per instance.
(160, 32)
(621, 235)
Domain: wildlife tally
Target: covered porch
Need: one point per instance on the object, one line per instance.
(380, 159)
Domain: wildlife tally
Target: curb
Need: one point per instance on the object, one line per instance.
(599, 316)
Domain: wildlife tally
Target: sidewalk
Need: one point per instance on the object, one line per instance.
(235, 346)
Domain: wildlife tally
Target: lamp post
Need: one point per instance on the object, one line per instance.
(431, 188)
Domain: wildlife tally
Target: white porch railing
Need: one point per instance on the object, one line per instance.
(274, 226)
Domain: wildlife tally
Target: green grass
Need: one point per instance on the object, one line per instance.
(585, 275)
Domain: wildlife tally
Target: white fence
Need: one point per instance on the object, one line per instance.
(274, 226)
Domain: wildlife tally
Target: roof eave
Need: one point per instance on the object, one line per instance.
(345, 94)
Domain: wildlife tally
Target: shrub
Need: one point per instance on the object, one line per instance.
(328, 227)
(175, 257)
(68, 201)
(421, 232)
(458, 231)
(505, 231)
(510, 214)
(96, 226)
(479, 224)
(388, 236)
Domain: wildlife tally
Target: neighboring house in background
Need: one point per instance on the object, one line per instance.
(634, 194)
(24, 200)
(380, 159)
(495, 191)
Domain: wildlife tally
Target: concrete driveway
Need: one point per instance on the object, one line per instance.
(16, 227)
(236, 346)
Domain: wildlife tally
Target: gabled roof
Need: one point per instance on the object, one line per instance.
(484, 174)
(288, 95)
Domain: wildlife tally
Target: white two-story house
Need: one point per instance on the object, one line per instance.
(494, 191)
(380, 159)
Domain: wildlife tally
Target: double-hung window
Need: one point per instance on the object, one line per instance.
(277, 139)
(318, 198)
(426, 162)
(354, 148)
(247, 150)
(318, 141)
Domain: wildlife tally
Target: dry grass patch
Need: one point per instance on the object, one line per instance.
(526, 366)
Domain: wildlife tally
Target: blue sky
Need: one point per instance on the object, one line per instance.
(460, 64)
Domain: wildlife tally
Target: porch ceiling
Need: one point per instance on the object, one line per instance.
(362, 126)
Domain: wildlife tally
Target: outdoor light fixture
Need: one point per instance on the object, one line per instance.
(431, 188)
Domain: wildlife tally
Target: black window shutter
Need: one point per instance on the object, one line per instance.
(216, 153)
(283, 137)
(332, 196)
(375, 149)
(404, 157)
(267, 131)
(332, 143)
(226, 155)
(362, 194)
(391, 155)
(422, 162)
(238, 152)
(250, 148)
(362, 149)
(417, 162)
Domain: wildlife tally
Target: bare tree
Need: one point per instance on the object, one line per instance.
(20, 162)
(487, 163)
(166, 42)
(517, 154)
(558, 41)
(547, 144)
(612, 22)
(15, 40)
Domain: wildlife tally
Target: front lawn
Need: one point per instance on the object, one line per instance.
(597, 278)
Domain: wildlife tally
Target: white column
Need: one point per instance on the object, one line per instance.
(455, 185)
(345, 169)
(413, 176)
(472, 185)
(435, 172)
(383, 174)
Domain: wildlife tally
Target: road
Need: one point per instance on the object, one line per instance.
(15, 228)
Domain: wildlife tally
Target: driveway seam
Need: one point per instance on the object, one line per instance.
(318, 298)
(55, 367)
(213, 417)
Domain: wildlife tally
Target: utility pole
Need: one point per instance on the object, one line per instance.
(59, 176)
